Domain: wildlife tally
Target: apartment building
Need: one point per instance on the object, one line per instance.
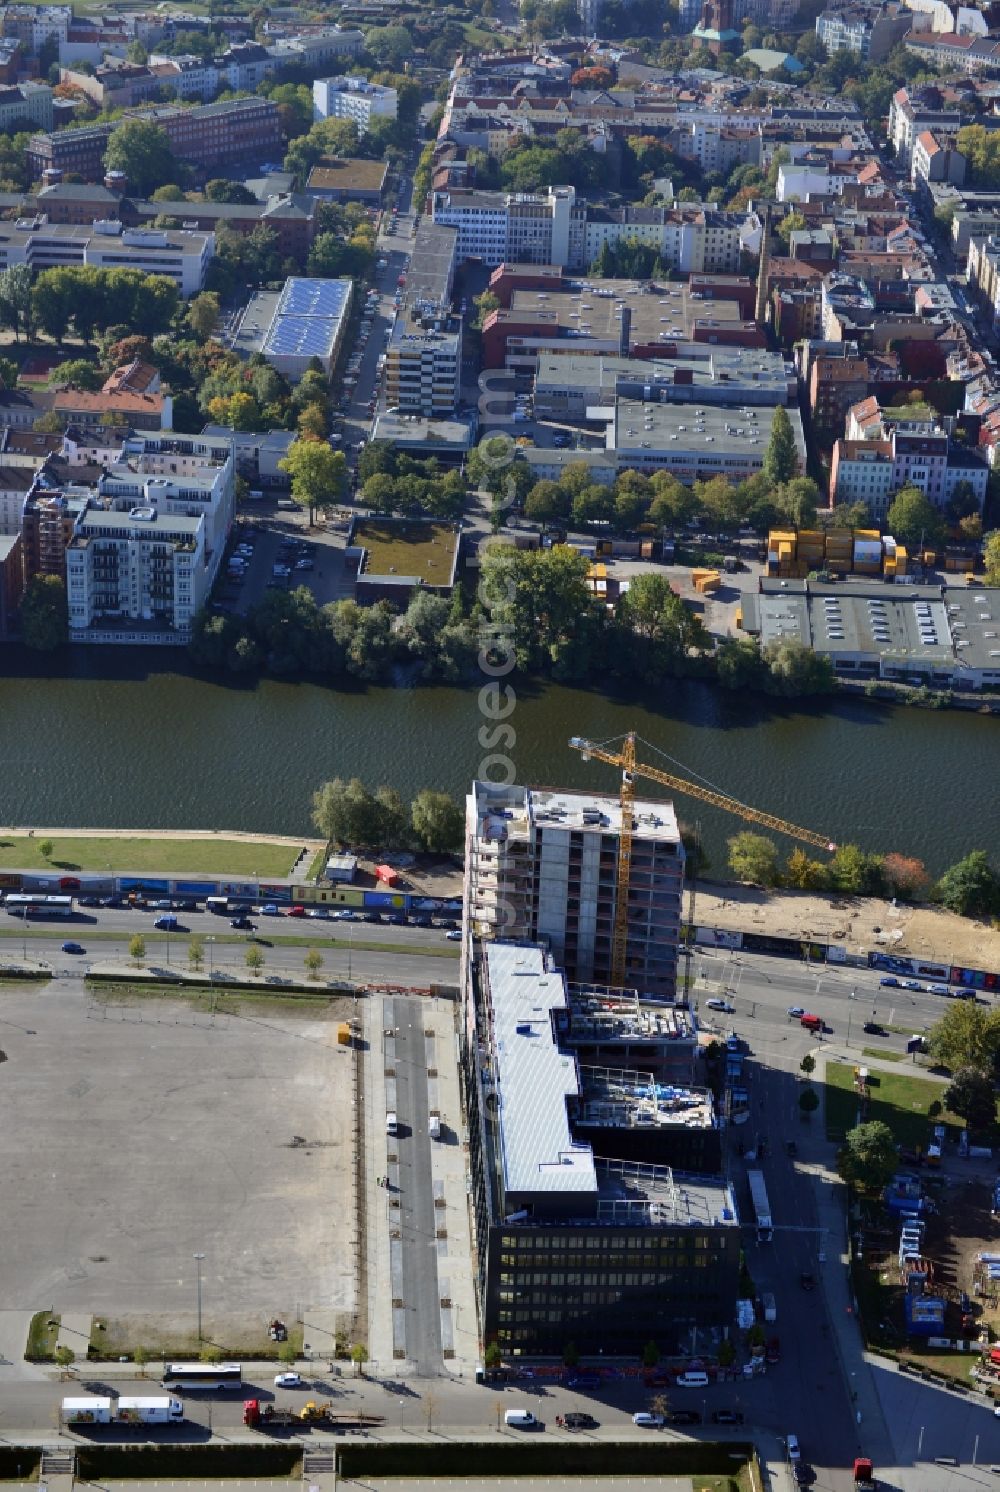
(542, 867)
(354, 98)
(573, 1245)
(871, 31)
(909, 115)
(180, 255)
(936, 158)
(26, 106)
(211, 135)
(835, 377)
(905, 453)
(34, 25)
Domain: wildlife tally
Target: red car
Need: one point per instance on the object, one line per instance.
(296, 912)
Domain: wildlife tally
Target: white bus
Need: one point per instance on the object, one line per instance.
(202, 1375)
(39, 906)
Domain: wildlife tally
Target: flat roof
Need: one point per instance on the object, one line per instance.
(165, 524)
(634, 1100)
(639, 1195)
(348, 174)
(307, 318)
(534, 1078)
(667, 313)
(700, 365)
(432, 263)
(419, 548)
(502, 810)
(417, 430)
(709, 430)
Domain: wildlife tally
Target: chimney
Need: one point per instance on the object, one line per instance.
(760, 311)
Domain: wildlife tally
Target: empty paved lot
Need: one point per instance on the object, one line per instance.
(134, 1137)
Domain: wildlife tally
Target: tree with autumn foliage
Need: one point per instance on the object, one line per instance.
(905, 877)
(592, 77)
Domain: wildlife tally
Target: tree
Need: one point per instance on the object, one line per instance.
(210, 1354)
(203, 314)
(967, 1035)
(140, 1357)
(914, 520)
(805, 874)
(65, 1357)
(44, 614)
(78, 372)
(313, 962)
(286, 1353)
(359, 1356)
(869, 1156)
(793, 669)
(438, 821)
(219, 189)
(143, 152)
(319, 475)
(15, 299)
(971, 1096)
(781, 461)
(753, 858)
(390, 45)
(346, 813)
(904, 877)
(650, 1354)
(971, 887)
(991, 556)
(854, 872)
(196, 953)
(137, 949)
(792, 222)
(45, 849)
(254, 959)
(808, 1065)
(492, 1357)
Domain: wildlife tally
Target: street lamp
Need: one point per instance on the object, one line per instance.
(198, 1260)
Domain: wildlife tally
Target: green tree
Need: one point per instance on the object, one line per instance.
(78, 372)
(972, 1097)
(45, 849)
(438, 821)
(196, 953)
(805, 874)
(313, 962)
(346, 813)
(808, 1065)
(137, 949)
(359, 1356)
(914, 520)
(739, 665)
(390, 45)
(650, 1355)
(854, 872)
(793, 669)
(967, 1035)
(210, 1354)
(319, 475)
(44, 614)
(991, 556)
(65, 1357)
(792, 222)
(143, 152)
(220, 189)
(203, 314)
(254, 958)
(781, 461)
(869, 1156)
(16, 306)
(753, 858)
(971, 887)
(492, 1357)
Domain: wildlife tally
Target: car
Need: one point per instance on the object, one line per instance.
(584, 1380)
(320, 912)
(939, 989)
(270, 909)
(888, 982)
(398, 919)
(88, 901)
(160, 906)
(454, 935)
(304, 564)
(577, 1420)
(795, 1012)
(792, 1448)
(184, 906)
(716, 1004)
(872, 1028)
(73, 948)
(167, 924)
(243, 924)
(727, 1417)
(288, 1380)
(296, 912)
(807, 1280)
(685, 1417)
(648, 1421)
(912, 984)
(965, 994)
(345, 916)
(422, 922)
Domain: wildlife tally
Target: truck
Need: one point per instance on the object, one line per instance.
(86, 1411)
(864, 1475)
(434, 1125)
(770, 1308)
(162, 1411)
(260, 1416)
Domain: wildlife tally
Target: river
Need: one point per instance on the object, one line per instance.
(114, 741)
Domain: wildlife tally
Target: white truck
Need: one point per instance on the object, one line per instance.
(770, 1306)
(124, 1411)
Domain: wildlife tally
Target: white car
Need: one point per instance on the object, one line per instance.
(317, 912)
(716, 1004)
(288, 1380)
(648, 1421)
(796, 1011)
(792, 1447)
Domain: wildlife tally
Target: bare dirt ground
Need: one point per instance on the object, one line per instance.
(861, 924)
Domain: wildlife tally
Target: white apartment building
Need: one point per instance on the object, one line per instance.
(912, 454)
(137, 576)
(871, 31)
(353, 98)
(181, 255)
(28, 105)
(34, 25)
(908, 117)
(542, 867)
(422, 369)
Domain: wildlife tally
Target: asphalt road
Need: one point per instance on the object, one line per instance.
(415, 1187)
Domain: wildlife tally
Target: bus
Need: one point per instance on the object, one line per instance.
(195, 1375)
(761, 1206)
(39, 906)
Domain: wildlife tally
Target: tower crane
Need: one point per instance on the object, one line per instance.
(625, 758)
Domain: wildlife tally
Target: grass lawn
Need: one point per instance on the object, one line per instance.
(421, 547)
(215, 856)
(899, 1100)
(318, 865)
(113, 1337)
(42, 1335)
(883, 1056)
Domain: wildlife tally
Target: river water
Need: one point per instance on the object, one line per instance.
(138, 747)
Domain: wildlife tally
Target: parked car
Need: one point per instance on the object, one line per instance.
(792, 1448)
(454, 935)
(685, 1417)
(795, 1012)
(648, 1421)
(727, 1417)
(939, 989)
(270, 909)
(321, 912)
(584, 1380)
(288, 1380)
(88, 901)
(296, 912)
(913, 984)
(888, 982)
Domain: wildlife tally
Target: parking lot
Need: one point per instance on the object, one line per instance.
(136, 1136)
(281, 554)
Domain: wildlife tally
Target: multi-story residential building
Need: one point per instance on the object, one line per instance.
(208, 136)
(26, 106)
(605, 1252)
(353, 98)
(835, 377)
(905, 453)
(179, 254)
(542, 867)
(909, 115)
(555, 228)
(936, 158)
(869, 30)
(34, 25)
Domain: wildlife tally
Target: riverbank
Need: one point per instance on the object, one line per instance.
(860, 924)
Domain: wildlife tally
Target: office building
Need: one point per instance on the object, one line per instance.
(306, 319)
(542, 867)
(603, 1252)
(424, 356)
(353, 98)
